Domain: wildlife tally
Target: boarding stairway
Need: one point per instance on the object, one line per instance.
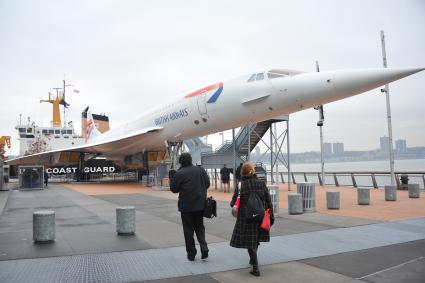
(249, 134)
(196, 147)
(246, 140)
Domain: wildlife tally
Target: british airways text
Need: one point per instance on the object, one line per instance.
(171, 116)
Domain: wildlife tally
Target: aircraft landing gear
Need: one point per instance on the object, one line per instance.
(173, 152)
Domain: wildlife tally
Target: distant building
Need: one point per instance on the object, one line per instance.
(338, 148)
(257, 150)
(384, 143)
(327, 149)
(400, 145)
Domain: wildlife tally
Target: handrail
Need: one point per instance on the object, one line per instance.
(373, 179)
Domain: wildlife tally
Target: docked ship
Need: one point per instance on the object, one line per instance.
(35, 139)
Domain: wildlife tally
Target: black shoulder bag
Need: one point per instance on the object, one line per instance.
(210, 209)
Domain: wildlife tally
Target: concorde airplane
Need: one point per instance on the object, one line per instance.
(221, 106)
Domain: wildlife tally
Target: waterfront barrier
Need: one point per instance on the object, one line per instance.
(363, 196)
(43, 226)
(295, 204)
(333, 199)
(126, 220)
(371, 179)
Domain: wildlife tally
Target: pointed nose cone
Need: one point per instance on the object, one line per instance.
(351, 82)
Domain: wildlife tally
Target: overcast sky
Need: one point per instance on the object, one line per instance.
(128, 56)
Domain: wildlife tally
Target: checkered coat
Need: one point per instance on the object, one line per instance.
(247, 235)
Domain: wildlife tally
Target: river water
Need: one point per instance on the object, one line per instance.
(358, 166)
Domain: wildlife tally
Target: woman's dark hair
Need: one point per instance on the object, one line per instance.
(185, 159)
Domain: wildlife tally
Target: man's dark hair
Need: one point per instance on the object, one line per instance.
(185, 159)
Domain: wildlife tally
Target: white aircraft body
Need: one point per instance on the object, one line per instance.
(221, 106)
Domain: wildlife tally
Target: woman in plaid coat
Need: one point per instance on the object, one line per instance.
(249, 235)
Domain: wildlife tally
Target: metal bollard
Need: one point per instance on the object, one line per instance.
(43, 229)
(414, 191)
(363, 196)
(126, 220)
(332, 199)
(295, 204)
(391, 193)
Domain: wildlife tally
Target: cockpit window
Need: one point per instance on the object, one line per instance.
(251, 78)
(260, 76)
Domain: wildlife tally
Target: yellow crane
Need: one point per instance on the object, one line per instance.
(4, 141)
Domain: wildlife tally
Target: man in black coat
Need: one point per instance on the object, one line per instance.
(225, 178)
(192, 183)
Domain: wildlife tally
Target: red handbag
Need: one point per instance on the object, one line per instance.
(265, 224)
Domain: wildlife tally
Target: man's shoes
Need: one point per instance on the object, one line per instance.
(204, 254)
(191, 257)
(255, 271)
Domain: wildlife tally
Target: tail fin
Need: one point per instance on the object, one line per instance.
(91, 131)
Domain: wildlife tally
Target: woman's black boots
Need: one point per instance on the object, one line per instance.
(254, 262)
(255, 271)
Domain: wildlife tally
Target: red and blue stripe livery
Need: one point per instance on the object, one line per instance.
(218, 87)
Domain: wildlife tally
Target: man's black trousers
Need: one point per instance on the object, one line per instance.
(194, 222)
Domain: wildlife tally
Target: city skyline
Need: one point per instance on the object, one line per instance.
(329, 147)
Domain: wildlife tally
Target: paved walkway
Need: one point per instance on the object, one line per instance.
(380, 210)
(164, 263)
(317, 247)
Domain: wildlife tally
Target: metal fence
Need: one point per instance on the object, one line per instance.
(372, 179)
(351, 179)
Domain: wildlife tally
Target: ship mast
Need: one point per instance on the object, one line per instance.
(64, 107)
(57, 100)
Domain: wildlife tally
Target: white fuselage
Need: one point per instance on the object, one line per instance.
(241, 101)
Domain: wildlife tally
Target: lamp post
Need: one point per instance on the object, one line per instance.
(320, 125)
(387, 97)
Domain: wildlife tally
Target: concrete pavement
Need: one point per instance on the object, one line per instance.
(326, 248)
